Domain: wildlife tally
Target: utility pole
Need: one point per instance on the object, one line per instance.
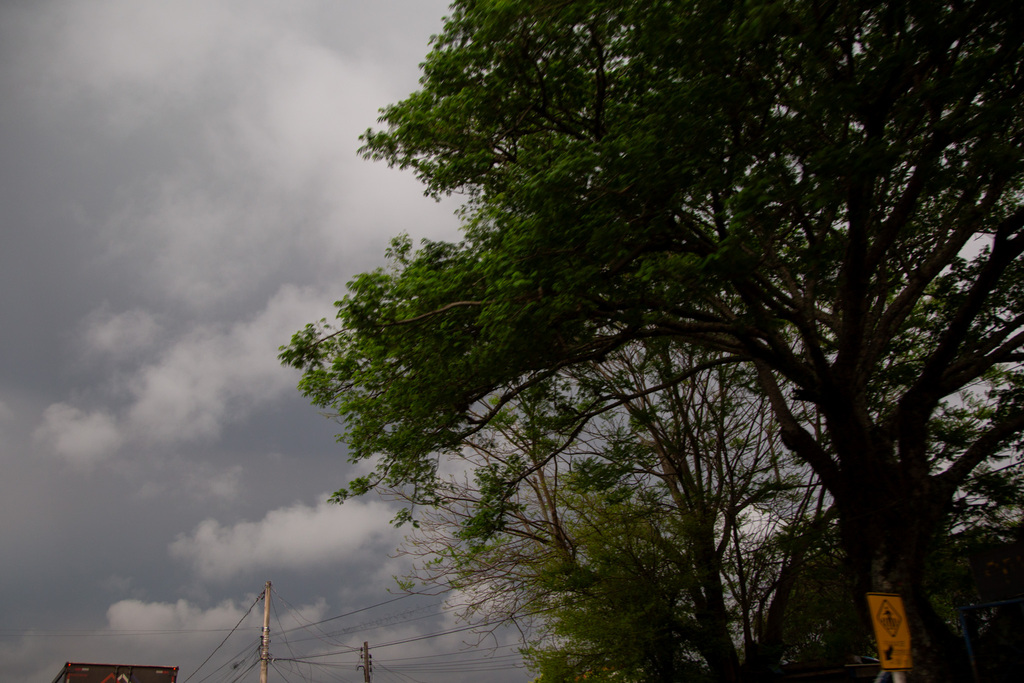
(367, 662)
(265, 635)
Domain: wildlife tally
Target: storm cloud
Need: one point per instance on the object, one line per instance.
(181, 191)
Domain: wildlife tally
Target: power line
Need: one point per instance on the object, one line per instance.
(225, 639)
(106, 633)
(465, 661)
(460, 629)
(452, 654)
(316, 666)
(400, 618)
(248, 653)
(348, 614)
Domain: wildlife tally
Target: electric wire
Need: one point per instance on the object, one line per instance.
(390, 620)
(314, 666)
(461, 662)
(401, 675)
(279, 671)
(238, 669)
(458, 629)
(304, 672)
(476, 665)
(281, 632)
(242, 674)
(106, 633)
(361, 609)
(333, 637)
(235, 662)
(452, 654)
(294, 663)
(323, 636)
(334, 672)
(225, 639)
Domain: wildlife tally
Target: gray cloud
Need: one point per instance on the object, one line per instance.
(83, 438)
(181, 192)
(295, 536)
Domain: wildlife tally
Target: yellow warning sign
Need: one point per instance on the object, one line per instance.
(891, 631)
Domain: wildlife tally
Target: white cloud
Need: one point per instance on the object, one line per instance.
(264, 113)
(187, 159)
(182, 633)
(136, 615)
(120, 333)
(84, 439)
(212, 376)
(142, 58)
(295, 537)
(209, 377)
(270, 176)
(302, 122)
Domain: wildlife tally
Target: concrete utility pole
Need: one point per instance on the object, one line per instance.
(366, 662)
(265, 635)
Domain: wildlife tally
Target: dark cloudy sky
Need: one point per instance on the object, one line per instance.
(179, 192)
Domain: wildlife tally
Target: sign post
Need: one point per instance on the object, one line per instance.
(891, 631)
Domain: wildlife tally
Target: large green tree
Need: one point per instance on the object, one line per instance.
(828, 191)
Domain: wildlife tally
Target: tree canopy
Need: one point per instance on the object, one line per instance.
(827, 191)
(678, 509)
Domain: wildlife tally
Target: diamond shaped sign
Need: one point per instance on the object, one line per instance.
(889, 619)
(891, 633)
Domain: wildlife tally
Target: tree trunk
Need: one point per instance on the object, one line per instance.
(763, 652)
(717, 647)
(886, 530)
